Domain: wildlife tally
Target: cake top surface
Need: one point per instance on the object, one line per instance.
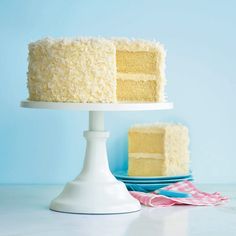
(82, 43)
(68, 40)
(157, 127)
(119, 43)
(138, 45)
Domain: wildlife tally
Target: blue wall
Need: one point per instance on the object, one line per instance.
(43, 146)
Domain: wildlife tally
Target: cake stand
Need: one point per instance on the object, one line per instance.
(96, 190)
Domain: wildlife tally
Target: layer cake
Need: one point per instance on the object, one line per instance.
(96, 70)
(158, 150)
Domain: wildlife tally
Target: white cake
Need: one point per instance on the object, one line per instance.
(96, 70)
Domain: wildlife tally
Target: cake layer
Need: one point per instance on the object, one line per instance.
(145, 167)
(136, 62)
(146, 142)
(136, 91)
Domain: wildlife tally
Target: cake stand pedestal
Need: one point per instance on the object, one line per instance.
(96, 190)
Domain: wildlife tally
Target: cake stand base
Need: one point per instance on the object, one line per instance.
(102, 198)
(95, 190)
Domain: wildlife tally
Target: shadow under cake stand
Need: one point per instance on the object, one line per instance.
(96, 190)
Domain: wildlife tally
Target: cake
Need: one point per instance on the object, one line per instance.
(96, 70)
(158, 150)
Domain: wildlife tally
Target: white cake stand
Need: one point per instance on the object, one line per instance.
(96, 190)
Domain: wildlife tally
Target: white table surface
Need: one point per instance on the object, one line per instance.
(24, 212)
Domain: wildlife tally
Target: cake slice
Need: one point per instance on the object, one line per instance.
(140, 71)
(158, 150)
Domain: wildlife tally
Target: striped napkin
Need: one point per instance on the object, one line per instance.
(198, 198)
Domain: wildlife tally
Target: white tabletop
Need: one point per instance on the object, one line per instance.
(24, 212)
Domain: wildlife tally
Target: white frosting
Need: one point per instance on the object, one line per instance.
(138, 155)
(79, 70)
(156, 127)
(135, 77)
(83, 69)
(125, 44)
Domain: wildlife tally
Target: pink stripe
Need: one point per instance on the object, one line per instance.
(198, 198)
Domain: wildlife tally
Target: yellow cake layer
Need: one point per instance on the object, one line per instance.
(146, 142)
(136, 62)
(145, 167)
(131, 90)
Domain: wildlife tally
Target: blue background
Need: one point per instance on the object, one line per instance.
(44, 146)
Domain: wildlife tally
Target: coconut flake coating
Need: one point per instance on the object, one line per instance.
(66, 70)
(84, 70)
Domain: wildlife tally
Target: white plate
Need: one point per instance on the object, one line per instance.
(147, 106)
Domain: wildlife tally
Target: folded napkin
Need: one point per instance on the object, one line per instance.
(198, 198)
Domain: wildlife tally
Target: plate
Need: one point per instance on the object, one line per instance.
(124, 175)
(145, 187)
(147, 106)
(152, 181)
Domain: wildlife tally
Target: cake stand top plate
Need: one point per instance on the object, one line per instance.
(97, 106)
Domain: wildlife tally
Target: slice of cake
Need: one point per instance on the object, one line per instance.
(96, 70)
(158, 150)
